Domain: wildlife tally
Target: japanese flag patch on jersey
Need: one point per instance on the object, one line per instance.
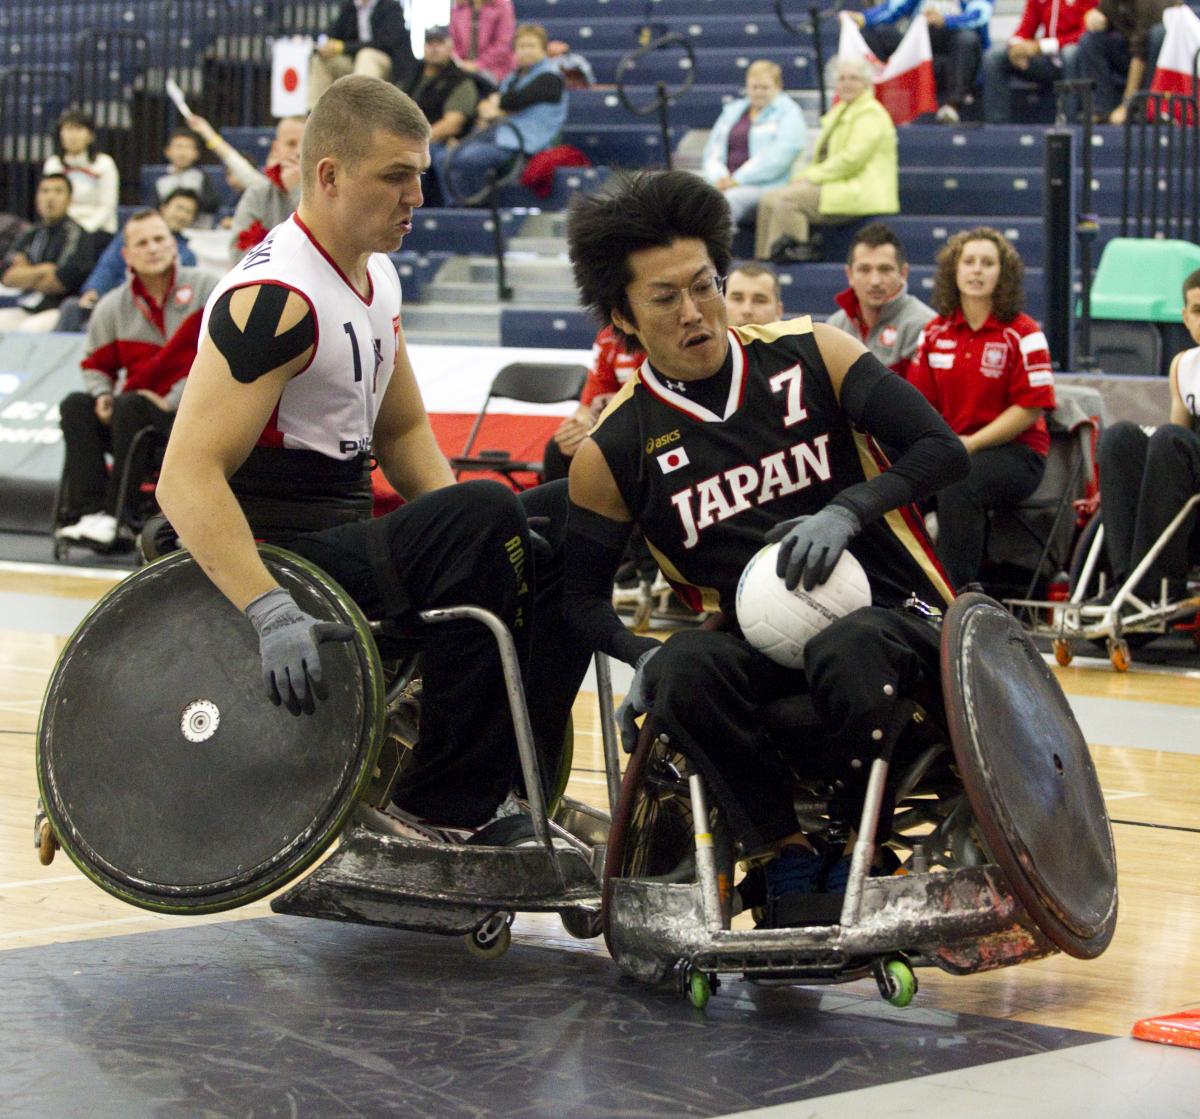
(672, 460)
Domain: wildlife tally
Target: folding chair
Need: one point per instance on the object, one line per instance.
(532, 382)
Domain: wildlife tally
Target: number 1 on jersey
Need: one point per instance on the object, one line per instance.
(349, 329)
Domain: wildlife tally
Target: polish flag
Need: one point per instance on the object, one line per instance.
(1173, 74)
(904, 85)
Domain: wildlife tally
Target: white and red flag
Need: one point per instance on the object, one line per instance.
(1173, 74)
(904, 85)
(289, 77)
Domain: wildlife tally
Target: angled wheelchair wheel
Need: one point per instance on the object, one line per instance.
(167, 775)
(1029, 776)
(652, 835)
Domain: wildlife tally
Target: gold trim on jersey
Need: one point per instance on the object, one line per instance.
(619, 397)
(709, 598)
(895, 521)
(773, 331)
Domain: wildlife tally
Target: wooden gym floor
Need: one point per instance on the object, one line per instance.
(1144, 728)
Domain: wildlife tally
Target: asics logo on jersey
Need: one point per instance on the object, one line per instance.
(656, 443)
(724, 495)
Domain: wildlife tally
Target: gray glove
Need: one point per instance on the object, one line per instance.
(288, 641)
(812, 545)
(635, 703)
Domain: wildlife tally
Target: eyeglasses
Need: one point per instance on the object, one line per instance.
(669, 301)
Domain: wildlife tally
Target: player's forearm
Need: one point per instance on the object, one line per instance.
(198, 502)
(413, 463)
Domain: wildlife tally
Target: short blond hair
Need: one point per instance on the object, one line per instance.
(534, 29)
(348, 114)
(765, 68)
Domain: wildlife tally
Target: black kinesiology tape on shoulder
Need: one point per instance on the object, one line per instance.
(255, 349)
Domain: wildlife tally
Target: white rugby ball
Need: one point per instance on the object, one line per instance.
(779, 622)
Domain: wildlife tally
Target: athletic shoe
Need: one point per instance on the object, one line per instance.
(99, 529)
(947, 114)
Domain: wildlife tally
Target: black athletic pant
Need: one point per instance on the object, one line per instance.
(90, 487)
(467, 544)
(709, 688)
(1145, 481)
(956, 56)
(1000, 477)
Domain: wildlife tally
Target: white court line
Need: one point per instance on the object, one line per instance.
(1121, 794)
(41, 881)
(85, 925)
(107, 575)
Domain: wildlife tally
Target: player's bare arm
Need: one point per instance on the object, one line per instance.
(258, 338)
(592, 485)
(839, 350)
(1180, 413)
(403, 441)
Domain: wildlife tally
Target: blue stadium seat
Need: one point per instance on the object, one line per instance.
(567, 182)
(416, 270)
(564, 330)
(714, 66)
(456, 231)
(997, 145)
(622, 145)
(251, 140)
(751, 32)
(602, 106)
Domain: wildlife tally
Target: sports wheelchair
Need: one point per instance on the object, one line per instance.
(1125, 622)
(172, 785)
(973, 804)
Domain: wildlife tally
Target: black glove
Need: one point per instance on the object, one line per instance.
(288, 643)
(812, 545)
(635, 703)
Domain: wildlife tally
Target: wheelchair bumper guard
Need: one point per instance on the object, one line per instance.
(962, 921)
(378, 879)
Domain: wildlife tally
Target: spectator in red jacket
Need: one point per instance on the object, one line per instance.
(985, 367)
(1043, 49)
(612, 365)
(148, 329)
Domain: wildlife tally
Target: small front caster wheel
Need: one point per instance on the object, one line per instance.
(491, 940)
(47, 843)
(1063, 653)
(899, 984)
(699, 989)
(582, 924)
(1118, 654)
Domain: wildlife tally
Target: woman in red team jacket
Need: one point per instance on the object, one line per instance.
(986, 367)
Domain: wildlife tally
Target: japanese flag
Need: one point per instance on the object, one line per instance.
(672, 460)
(289, 77)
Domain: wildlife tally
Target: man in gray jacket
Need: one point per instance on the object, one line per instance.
(876, 308)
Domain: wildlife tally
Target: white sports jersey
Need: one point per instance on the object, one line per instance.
(1187, 374)
(330, 406)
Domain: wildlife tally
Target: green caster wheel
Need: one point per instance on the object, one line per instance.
(492, 939)
(901, 983)
(699, 989)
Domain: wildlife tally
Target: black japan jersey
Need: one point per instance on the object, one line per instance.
(705, 488)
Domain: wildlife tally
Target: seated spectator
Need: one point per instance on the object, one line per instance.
(958, 41)
(755, 141)
(11, 228)
(48, 262)
(985, 367)
(483, 38)
(854, 171)
(1114, 51)
(612, 365)
(179, 212)
(367, 37)
(267, 202)
(532, 99)
(149, 328)
(183, 153)
(447, 96)
(752, 296)
(1147, 479)
(240, 173)
(1043, 49)
(877, 308)
(95, 181)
